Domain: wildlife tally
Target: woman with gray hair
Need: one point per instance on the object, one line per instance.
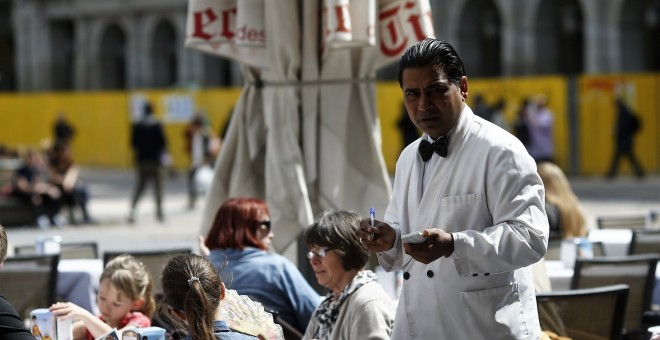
(357, 307)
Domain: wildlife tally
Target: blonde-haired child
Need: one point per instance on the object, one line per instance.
(125, 301)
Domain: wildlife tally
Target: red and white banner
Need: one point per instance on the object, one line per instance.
(400, 25)
(349, 23)
(281, 133)
(230, 28)
(237, 29)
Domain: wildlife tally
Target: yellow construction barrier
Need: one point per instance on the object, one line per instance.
(103, 119)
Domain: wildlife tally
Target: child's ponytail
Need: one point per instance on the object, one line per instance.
(192, 286)
(200, 308)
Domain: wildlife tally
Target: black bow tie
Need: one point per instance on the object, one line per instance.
(440, 147)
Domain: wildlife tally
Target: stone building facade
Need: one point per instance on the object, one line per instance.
(128, 44)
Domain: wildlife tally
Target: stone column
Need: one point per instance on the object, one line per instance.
(511, 40)
(189, 62)
(82, 36)
(41, 49)
(595, 16)
(20, 27)
(31, 37)
(136, 52)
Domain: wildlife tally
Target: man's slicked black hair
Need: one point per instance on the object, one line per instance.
(433, 52)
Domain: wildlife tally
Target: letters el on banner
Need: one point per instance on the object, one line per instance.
(229, 28)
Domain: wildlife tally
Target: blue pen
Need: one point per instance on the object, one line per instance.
(372, 215)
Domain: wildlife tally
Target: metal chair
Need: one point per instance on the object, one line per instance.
(572, 313)
(153, 260)
(644, 241)
(621, 222)
(598, 249)
(75, 250)
(290, 332)
(554, 249)
(29, 282)
(636, 271)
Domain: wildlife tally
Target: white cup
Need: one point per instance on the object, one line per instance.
(48, 245)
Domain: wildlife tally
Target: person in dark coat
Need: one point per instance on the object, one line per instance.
(149, 145)
(627, 125)
(11, 324)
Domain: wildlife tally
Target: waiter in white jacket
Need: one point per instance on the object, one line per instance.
(472, 191)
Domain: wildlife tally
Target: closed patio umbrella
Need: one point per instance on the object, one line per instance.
(305, 134)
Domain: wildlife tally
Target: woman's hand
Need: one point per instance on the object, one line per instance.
(380, 237)
(203, 249)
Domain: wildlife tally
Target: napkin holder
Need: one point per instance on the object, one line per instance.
(147, 333)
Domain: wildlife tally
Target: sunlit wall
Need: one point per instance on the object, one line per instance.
(584, 117)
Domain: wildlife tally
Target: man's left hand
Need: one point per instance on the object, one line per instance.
(439, 244)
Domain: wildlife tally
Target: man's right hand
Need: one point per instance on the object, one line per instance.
(380, 237)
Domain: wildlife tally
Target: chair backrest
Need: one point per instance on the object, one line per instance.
(621, 222)
(554, 250)
(153, 260)
(636, 271)
(598, 249)
(290, 332)
(29, 282)
(75, 250)
(644, 241)
(589, 313)
(25, 249)
(79, 250)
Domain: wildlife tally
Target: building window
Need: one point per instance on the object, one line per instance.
(479, 39)
(7, 49)
(113, 59)
(62, 57)
(559, 37)
(640, 29)
(163, 56)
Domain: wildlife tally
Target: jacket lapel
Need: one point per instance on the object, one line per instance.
(429, 200)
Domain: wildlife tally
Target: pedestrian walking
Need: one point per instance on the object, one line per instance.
(149, 145)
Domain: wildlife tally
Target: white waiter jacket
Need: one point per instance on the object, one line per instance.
(487, 193)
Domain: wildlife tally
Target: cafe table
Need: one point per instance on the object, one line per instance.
(615, 241)
(560, 278)
(78, 282)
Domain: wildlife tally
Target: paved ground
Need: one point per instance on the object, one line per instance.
(111, 190)
(109, 205)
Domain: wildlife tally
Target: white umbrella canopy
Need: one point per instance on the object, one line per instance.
(305, 134)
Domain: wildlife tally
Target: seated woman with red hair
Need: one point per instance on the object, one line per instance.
(239, 240)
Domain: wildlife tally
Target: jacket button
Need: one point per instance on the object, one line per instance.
(406, 275)
(475, 274)
(429, 273)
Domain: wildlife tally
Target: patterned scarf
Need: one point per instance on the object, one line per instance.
(328, 310)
